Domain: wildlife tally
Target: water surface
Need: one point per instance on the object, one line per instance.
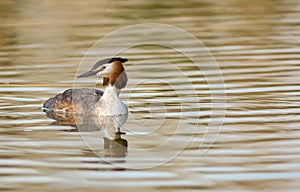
(256, 46)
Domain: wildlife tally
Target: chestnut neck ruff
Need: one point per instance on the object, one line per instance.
(117, 77)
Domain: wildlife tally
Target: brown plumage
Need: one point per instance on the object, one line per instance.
(79, 100)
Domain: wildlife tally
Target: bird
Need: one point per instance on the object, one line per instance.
(89, 101)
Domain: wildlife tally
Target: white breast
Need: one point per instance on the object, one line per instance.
(110, 103)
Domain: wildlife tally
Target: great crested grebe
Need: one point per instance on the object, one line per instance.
(94, 101)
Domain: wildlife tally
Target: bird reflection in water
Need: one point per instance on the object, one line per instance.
(114, 145)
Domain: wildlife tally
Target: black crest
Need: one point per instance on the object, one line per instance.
(109, 60)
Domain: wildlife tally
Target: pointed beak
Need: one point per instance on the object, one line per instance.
(87, 74)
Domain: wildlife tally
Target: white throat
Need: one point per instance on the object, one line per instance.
(110, 103)
(110, 93)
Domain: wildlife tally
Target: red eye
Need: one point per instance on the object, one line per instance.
(103, 67)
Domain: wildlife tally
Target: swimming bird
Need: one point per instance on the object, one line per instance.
(94, 101)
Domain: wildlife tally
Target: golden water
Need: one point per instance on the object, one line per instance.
(256, 45)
